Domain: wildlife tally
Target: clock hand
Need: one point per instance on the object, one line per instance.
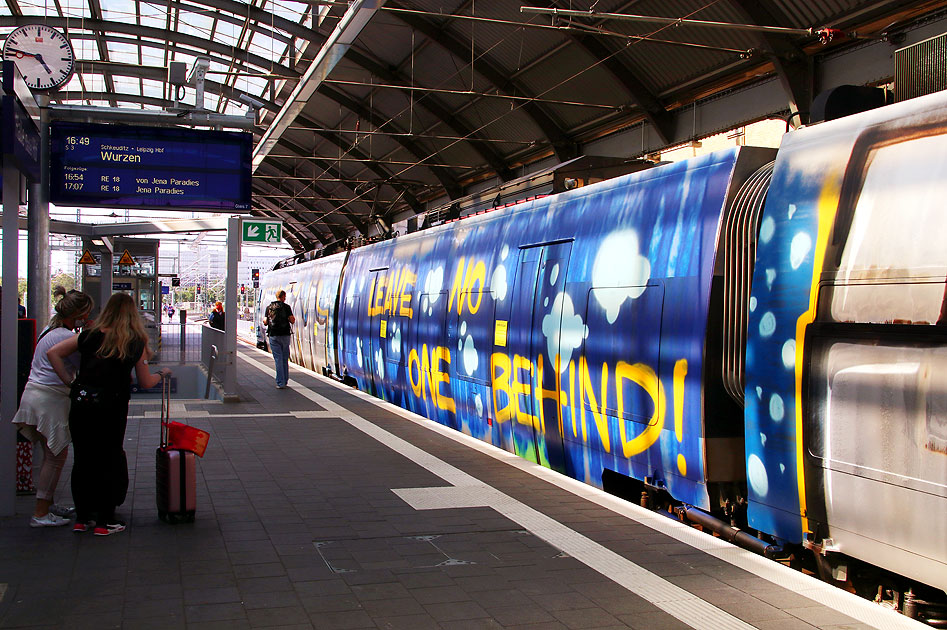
(39, 58)
(22, 52)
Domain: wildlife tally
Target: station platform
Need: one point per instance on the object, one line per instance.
(320, 507)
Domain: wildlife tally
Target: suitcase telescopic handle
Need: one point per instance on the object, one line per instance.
(165, 409)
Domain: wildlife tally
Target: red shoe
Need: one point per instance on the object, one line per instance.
(80, 527)
(109, 528)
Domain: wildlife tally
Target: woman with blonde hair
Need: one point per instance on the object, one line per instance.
(43, 415)
(100, 392)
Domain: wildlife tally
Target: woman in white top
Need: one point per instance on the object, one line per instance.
(43, 415)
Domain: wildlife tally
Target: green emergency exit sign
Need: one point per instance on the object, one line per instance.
(262, 231)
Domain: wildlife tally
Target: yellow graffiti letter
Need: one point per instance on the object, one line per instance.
(598, 413)
(405, 308)
(444, 401)
(475, 274)
(522, 388)
(501, 383)
(457, 289)
(417, 386)
(644, 377)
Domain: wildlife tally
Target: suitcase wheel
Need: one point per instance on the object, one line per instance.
(176, 518)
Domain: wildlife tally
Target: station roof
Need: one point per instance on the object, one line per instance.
(434, 99)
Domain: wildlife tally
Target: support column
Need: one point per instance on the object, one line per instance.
(105, 281)
(37, 255)
(8, 337)
(230, 310)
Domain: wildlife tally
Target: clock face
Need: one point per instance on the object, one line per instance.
(42, 55)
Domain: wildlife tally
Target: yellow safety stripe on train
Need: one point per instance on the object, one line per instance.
(827, 207)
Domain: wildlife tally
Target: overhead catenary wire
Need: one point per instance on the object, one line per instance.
(515, 107)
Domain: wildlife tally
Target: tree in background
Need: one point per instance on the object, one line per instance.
(65, 280)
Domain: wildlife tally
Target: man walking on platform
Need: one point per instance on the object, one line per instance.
(277, 320)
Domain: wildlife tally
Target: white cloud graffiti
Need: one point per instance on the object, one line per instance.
(567, 338)
(619, 264)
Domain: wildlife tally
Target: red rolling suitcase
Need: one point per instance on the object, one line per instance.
(175, 472)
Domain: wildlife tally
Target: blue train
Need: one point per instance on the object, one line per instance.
(751, 337)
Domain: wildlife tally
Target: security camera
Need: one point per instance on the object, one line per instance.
(249, 101)
(201, 65)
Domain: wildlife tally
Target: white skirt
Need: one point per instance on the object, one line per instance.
(44, 414)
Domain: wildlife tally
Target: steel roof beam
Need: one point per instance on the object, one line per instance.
(95, 8)
(440, 111)
(336, 139)
(564, 146)
(155, 73)
(292, 232)
(359, 13)
(447, 180)
(792, 65)
(348, 214)
(255, 13)
(654, 111)
(325, 164)
(160, 34)
(323, 195)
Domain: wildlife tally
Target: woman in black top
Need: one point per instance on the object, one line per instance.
(108, 351)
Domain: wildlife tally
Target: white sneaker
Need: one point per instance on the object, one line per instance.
(62, 510)
(50, 520)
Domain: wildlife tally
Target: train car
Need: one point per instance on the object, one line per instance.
(743, 330)
(846, 389)
(571, 330)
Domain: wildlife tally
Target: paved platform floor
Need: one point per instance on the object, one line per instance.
(320, 508)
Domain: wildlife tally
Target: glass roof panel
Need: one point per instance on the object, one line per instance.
(153, 88)
(226, 33)
(85, 48)
(34, 8)
(251, 85)
(266, 46)
(94, 83)
(211, 101)
(153, 15)
(126, 85)
(196, 24)
(235, 108)
(123, 53)
(73, 84)
(187, 58)
(117, 10)
(292, 11)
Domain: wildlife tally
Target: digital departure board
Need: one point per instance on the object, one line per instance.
(117, 166)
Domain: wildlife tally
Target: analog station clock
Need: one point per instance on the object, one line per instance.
(42, 54)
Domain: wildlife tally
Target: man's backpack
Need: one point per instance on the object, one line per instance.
(276, 315)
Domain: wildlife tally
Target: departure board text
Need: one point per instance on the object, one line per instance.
(149, 167)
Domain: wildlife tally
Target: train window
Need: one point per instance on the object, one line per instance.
(472, 336)
(880, 410)
(897, 236)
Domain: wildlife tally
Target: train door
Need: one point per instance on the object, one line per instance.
(534, 328)
(349, 339)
